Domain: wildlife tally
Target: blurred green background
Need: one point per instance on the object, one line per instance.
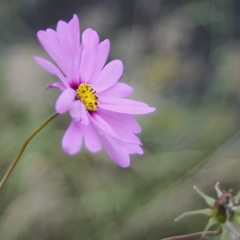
(180, 56)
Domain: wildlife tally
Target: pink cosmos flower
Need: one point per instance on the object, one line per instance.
(91, 93)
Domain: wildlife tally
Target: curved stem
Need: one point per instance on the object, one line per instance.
(4, 179)
(198, 234)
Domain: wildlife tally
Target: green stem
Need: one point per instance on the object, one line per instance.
(4, 179)
(198, 234)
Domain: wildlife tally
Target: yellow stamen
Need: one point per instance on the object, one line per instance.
(88, 96)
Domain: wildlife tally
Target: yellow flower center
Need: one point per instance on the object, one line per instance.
(88, 96)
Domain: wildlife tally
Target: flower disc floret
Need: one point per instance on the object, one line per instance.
(88, 96)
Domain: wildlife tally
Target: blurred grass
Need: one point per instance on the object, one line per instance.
(186, 64)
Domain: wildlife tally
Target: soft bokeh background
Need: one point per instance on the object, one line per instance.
(182, 57)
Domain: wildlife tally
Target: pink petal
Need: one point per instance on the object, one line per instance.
(91, 139)
(117, 90)
(102, 54)
(90, 42)
(75, 110)
(85, 115)
(64, 100)
(51, 32)
(52, 46)
(132, 148)
(75, 26)
(72, 139)
(51, 69)
(109, 75)
(117, 153)
(56, 85)
(78, 112)
(102, 125)
(124, 119)
(70, 49)
(120, 129)
(124, 106)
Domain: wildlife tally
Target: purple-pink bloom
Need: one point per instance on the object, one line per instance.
(90, 92)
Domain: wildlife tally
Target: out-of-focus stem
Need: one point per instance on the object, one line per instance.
(4, 179)
(198, 234)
